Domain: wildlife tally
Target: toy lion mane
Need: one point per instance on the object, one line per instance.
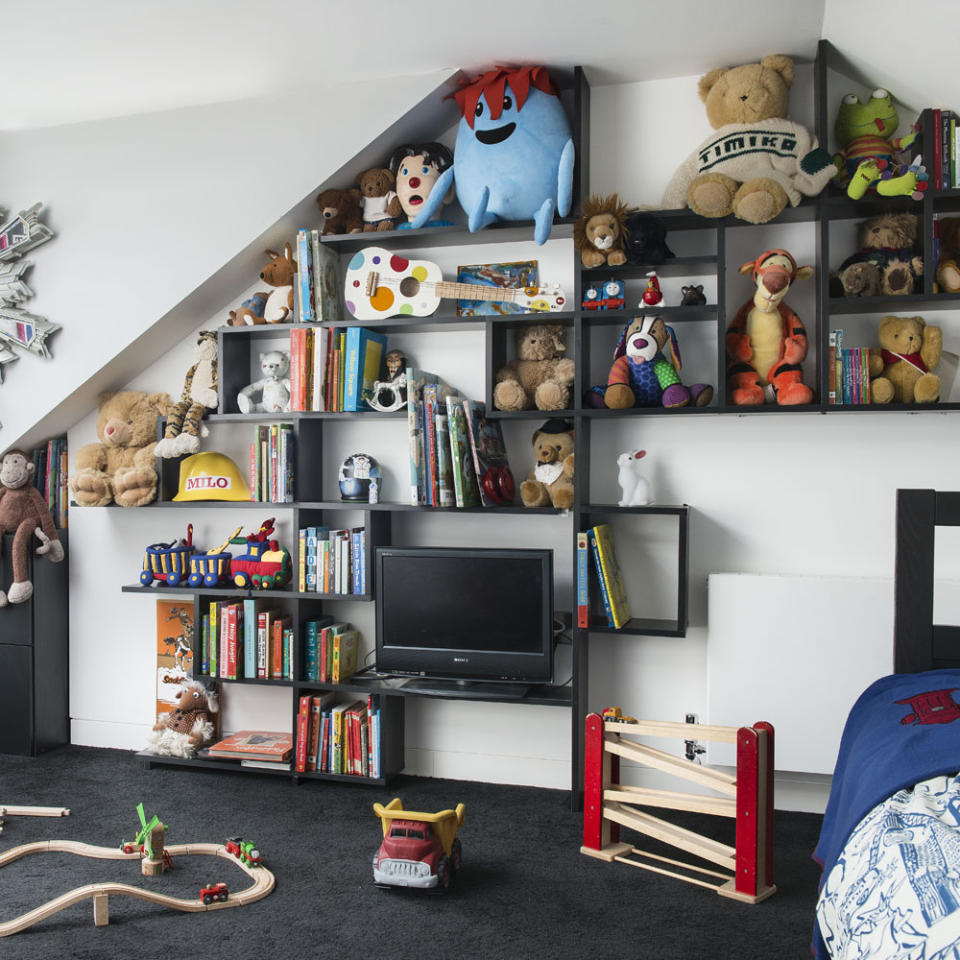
(594, 206)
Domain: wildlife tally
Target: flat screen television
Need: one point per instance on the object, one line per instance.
(467, 615)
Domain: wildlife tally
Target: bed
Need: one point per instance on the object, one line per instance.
(890, 842)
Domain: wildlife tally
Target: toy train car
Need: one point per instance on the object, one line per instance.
(214, 891)
(245, 850)
(209, 569)
(610, 295)
(168, 562)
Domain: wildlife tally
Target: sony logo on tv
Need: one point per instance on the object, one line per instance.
(461, 659)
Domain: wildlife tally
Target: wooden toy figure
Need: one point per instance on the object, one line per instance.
(23, 512)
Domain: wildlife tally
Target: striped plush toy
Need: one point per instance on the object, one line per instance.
(184, 427)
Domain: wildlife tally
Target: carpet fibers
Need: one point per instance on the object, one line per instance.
(524, 891)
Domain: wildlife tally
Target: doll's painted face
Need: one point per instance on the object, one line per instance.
(415, 180)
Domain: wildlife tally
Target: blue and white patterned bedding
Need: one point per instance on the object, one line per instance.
(894, 891)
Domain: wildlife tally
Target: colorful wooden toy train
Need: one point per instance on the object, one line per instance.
(168, 562)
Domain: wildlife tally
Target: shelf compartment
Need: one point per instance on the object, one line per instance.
(233, 594)
(401, 507)
(644, 627)
(150, 760)
(671, 267)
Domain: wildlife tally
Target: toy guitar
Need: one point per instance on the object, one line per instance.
(380, 284)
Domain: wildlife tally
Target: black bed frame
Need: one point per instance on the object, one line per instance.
(918, 643)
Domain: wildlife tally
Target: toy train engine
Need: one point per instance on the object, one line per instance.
(168, 562)
(614, 295)
(244, 850)
(265, 565)
(214, 891)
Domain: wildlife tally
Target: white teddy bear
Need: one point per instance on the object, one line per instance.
(273, 389)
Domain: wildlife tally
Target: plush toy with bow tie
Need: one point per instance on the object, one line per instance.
(550, 482)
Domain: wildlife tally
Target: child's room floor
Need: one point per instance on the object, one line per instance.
(524, 890)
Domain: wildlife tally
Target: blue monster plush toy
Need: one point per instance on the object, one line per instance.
(513, 157)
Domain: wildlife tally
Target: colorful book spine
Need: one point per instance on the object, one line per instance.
(583, 580)
(604, 596)
(430, 444)
(445, 493)
(205, 644)
(304, 271)
(303, 732)
(611, 576)
(249, 638)
(214, 636)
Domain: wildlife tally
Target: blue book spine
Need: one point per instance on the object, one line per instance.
(311, 558)
(352, 369)
(363, 559)
(250, 638)
(310, 650)
(355, 568)
(603, 587)
(304, 266)
(583, 580)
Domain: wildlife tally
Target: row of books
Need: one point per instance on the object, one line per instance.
(50, 477)
(848, 378)
(333, 560)
(597, 542)
(272, 459)
(239, 642)
(329, 650)
(334, 368)
(944, 174)
(454, 449)
(317, 288)
(339, 737)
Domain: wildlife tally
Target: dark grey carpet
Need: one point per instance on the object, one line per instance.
(524, 890)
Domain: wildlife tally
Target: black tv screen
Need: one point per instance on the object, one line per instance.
(465, 614)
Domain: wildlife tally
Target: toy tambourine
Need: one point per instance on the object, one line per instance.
(498, 484)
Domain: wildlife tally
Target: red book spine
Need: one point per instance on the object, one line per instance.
(276, 650)
(296, 369)
(303, 730)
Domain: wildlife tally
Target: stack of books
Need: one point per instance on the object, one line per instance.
(848, 379)
(255, 748)
(272, 460)
(333, 560)
(240, 642)
(598, 543)
(339, 737)
(50, 477)
(329, 650)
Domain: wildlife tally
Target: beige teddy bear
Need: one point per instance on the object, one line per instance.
(541, 376)
(550, 482)
(900, 368)
(120, 468)
(757, 161)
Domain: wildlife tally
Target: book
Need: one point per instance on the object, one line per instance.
(494, 478)
(174, 651)
(255, 745)
(583, 579)
(264, 764)
(466, 493)
(326, 281)
(344, 656)
(303, 731)
(610, 575)
(304, 277)
(364, 363)
(311, 646)
(430, 455)
(416, 379)
(511, 276)
(446, 494)
(602, 591)
(318, 371)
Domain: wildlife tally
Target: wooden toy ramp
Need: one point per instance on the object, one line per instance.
(747, 797)
(263, 884)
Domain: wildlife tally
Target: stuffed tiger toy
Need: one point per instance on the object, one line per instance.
(184, 426)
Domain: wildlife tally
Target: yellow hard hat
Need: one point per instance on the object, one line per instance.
(211, 476)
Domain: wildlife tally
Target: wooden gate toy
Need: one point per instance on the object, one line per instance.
(747, 797)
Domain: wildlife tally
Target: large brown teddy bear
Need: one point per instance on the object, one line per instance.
(757, 161)
(900, 369)
(121, 468)
(540, 376)
(550, 482)
(341, 211)
(887, 262)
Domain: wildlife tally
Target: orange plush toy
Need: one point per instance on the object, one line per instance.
(766, 342)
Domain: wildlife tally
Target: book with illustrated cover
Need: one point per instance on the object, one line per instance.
(611, 577)
(174, 651)
(465, 489)
(255, 745)
(494, 479)
(511, 276)
(364, 362)
(416, 378)
(326, 281)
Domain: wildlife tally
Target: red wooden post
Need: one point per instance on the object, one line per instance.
(747, 810)
(593, 785)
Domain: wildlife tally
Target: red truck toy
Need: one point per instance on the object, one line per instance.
(214, 891)
(418, 849)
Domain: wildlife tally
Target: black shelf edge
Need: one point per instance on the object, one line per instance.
(235, 594)
(152, 760)
(601, 317)
(340, 777)
(528, 414)
(294, 415)
(254, 681)
(685, 219)
(223, 504)
(456, 235)
(839, 306)
(666, 509)
(890, 407)
(399, 507)
(636, 271)
(642, 627)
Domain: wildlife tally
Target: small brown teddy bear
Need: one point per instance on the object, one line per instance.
(550, 482)
(341, 211)
(540, 376)
(757, 161)
(276, 305)
(948, 266)
(600, 231)
(120, 468)
(900, 368)
(381, 205)
(887, 262)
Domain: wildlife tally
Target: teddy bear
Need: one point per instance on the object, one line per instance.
(275, 305)
(184, 422)
(24, 513)
(600, 231)
(887, 262)
(341, 210)
(900, 369)
(540, 376)
(550, 482)
(121, 467)
(381, 205)
(948, 260)
(757, 160)
(271, 393)
(646, 243)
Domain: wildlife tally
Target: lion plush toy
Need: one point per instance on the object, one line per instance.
(121, 468)
(541, 375)
(900, 368)
(757, 161)
(550, 482)
(600, 231)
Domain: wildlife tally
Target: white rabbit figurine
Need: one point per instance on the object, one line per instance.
(636, 490)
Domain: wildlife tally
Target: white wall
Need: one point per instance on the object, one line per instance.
(776, 494)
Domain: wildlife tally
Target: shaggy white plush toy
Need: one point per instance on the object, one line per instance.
(188, 726)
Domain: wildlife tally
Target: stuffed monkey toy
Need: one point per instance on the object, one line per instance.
(23, 511)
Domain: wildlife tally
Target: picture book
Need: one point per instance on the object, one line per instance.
(447, 497)
(494, 479)
(304, 282)
(416, 378)
(174, 651)
(611, 575)
(363, 365)
(465, 489)
(344, 656)
(255, 745)
(326, 282)
(522, 273)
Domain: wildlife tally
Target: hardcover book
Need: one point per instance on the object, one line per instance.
(489, 456)
(416, 378)
(326, 281)
(511, 276)
(461, 455)
(364, 362)
(611, 576)
(255, 745)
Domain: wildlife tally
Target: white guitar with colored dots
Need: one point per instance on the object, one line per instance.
(380, 284)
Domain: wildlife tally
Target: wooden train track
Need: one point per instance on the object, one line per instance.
(263, 882)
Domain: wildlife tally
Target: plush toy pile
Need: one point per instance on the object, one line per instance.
(888, 262)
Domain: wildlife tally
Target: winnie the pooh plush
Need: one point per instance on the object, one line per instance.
(540, 376)
(550, 482)
(887, 262)
(900, 369)
(121, 468)
(757, 161)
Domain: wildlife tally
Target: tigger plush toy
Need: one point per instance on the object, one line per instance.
(767, 342)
